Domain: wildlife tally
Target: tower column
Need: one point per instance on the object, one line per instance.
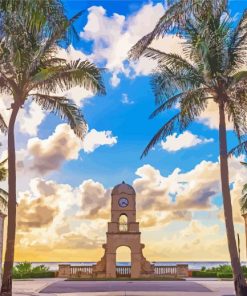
(110, 265)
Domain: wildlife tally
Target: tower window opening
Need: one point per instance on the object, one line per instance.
(123, 223)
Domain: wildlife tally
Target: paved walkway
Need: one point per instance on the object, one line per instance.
(59, 287)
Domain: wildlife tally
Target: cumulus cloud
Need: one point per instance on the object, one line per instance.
(195, 227)
(176, 142)
(95, 139)
(62, 218)
(191, 190)
(190, 241)
(114, 35)
(44, 156)
(49, 154)
(30, 118)
(95, 200)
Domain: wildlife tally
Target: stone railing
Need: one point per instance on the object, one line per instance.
(86, 271)
(165, 270)
(81, 271)
(123, 271)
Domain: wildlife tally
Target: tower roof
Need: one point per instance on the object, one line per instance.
(123, 188)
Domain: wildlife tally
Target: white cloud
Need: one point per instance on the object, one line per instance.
(60, 218)
(49, 154)
(44, 156)
(126, 100)
(95, 139)
(30, 118)
(113, 36)
(176, 142)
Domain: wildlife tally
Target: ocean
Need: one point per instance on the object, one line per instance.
(195, 265)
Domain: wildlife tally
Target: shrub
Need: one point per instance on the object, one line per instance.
(204, 274)
(40, 268)
(224, 275)
(24, 270)
(23, 267)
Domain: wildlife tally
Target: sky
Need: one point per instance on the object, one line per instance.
(64, 184)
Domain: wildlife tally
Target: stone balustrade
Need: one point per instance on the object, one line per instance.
(87, 271)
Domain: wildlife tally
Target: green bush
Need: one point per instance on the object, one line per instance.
(23, 267)
(227, 275)
(204, 274)
(25, 270)
(222, 269)
(40, 268)
(224, 275)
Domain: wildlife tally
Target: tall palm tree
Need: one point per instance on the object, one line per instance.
(214, 52)
(30, 71)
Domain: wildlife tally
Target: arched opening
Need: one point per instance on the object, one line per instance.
(123, 223)
(123, 262)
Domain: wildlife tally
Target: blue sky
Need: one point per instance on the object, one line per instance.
(177, 184)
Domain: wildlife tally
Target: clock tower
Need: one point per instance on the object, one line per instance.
(123, 230)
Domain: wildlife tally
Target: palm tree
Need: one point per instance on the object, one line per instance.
(214, 52)
(31, 70)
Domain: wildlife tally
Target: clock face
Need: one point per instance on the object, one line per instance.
(123, 202)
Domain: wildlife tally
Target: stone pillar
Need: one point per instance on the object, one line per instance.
(2, 216)
(136, 265)
(182, 270)
(111, 265)
(64, 270)
(245, 223)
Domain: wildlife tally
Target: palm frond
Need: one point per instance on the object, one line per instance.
(177, 122)
(3, 125)
(75, 73)
(4, 194)
(169, 103)
(175, 18)
(191, 99)
(173, 61)
(3, 171)
(243, 202)
(65, 109)
(239, 149)
(173, 74)
(238, 44)
(239, 76)
(57, 35)
(3, 162)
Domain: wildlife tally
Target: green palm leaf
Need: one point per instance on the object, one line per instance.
(82, 73)
(176, 17)
(65, 109)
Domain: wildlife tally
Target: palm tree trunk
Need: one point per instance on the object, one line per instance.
(239, 280)
(6, 289)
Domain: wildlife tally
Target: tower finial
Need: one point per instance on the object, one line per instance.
(123, 182)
